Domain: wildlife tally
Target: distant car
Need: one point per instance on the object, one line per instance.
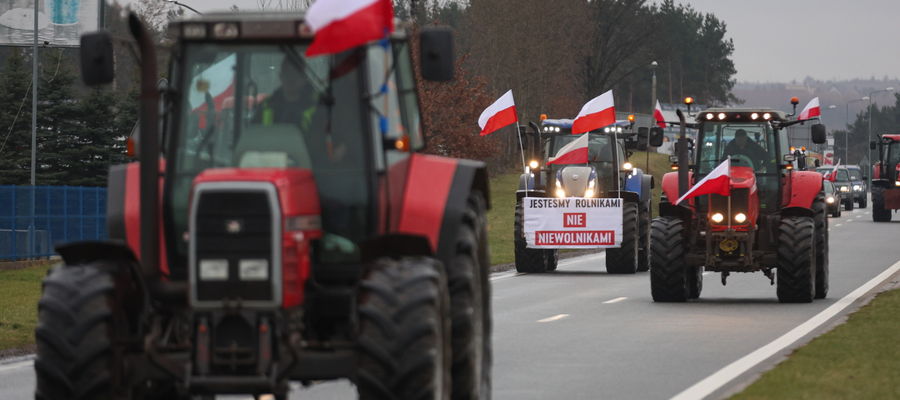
(832, 199)
(842, 183)
(858, 183)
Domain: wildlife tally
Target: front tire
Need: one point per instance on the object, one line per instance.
(470, 306)
(527, 260)
(624, 260)
(862, 202)
(644, 216)
(668, 252)
(81, 323)
(404, 331)
(848, 205)
(796, 273)
(821, 246)
(879, 213)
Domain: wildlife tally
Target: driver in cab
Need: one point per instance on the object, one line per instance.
(742, 145)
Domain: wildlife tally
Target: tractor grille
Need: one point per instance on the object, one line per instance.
(235, 247)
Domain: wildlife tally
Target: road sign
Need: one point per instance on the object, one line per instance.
(572, 223)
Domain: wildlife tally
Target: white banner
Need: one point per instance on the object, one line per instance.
(60, 22)
(572, 223)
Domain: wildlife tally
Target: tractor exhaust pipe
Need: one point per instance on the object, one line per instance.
(683, 157)
(149, 153)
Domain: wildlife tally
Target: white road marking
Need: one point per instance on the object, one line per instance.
(615, 300)
(556, 317)
(721, 377)
(504, 275)
(837, 225)
(707, 273)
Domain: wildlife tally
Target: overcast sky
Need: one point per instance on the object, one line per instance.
(782, 40)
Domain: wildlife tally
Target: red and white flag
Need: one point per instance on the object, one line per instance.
(339, 25)
(658, 116)
(596, 114)
(832, 176)
(575, 152)
(499, 114)
(717, 182)
(811, 110)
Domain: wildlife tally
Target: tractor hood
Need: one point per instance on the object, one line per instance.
(742, 177)
(575, 179)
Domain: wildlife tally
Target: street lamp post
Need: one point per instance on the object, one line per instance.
(869, 148)
(653, 66)
(847, 123)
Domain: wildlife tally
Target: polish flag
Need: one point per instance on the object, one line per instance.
(832, 176)
(811, 110)
(658, 116)
(717, 182)
(499, 114)
(339, 25)
(575, 152)
(596, 114)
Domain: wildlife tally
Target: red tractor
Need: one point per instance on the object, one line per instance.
(774, 217)
(280, 226)
(886, 178)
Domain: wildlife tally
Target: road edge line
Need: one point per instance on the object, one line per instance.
(730, 372)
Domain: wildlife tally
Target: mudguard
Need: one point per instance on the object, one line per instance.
(634, 183)
(528, 187)
(801, 189)
(670, 187)
(437, 189)
(628, 196)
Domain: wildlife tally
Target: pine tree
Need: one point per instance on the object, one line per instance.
(15, 132)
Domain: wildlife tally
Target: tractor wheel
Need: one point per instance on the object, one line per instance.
(552, 259)
(836, 213)
(694, 281)
(467, 279)
(848, 205)
(644, 216)
(668, 251)
(821, 222)
(404, 331)
(81, 324)
(862, 202)
(527, 260)
(624, 260)
(796, 260)
(879, 213)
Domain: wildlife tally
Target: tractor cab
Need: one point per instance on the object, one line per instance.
(886, 178)
(607, 156)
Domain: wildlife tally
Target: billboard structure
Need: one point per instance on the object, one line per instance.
(60, 22)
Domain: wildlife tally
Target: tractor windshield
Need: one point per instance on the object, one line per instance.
(747, 144)
(258, 106)
(599, 147)
(893, 154)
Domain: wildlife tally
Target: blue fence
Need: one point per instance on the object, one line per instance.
(60, 214)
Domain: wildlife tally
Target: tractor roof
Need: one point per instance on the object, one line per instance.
(567, 123)
(254, 25)
(895, 137)
(776, 114)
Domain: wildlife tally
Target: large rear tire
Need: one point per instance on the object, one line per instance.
(879, 213)
(470, 306)
(821, 221)
(624, 260)
(404, 331)
(551, 259)
(668, 251)
(527, 260)
(644, 216)
(796, 273)
(80, 326)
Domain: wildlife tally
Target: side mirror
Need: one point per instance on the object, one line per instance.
(656, 136)
(818, 134)
(97, 66)
(436, 54)
(872, 145)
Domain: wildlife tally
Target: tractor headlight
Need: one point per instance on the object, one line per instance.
(213, 270)
(754, 116)
(253, 269)
(558, 184)
(857, 188)
(740, 218)
(897, 183)
(589, 193)
(845, 189)
(627, 166)
(829, 199)
(560, 193)
(534, 164)
(717, 217)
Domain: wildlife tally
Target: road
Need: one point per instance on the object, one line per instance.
(582, 334)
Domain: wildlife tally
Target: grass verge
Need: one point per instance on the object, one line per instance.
(857, 360)
(20, 290)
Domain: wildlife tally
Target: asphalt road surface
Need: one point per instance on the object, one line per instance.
(579, 333)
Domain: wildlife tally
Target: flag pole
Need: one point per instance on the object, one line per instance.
(521, 146)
